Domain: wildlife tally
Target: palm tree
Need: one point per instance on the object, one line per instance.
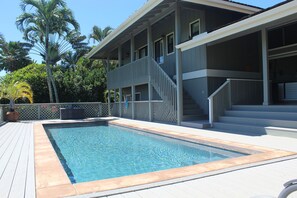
(43, 18)
(14, 91)
(14, 55)
(99, 34)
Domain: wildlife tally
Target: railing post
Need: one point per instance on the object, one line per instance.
(133, 103)
(120, 102)
(149, 64)
(210, 101)
(109, 103)
(229, 93)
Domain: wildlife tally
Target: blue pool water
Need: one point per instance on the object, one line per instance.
(95, 152)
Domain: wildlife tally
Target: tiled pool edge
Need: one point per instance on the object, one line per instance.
(52, 181)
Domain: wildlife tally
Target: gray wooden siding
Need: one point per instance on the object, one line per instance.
(197, 89)
(140, 40)
(215, 17)
(194, 59)
(17, 177)
(160, 30)
(240, 54)
(126, 57)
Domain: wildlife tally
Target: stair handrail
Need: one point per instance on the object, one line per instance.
(224, 90)
(164, 85)
(226, 97)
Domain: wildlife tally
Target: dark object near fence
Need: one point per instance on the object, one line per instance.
(72, 113)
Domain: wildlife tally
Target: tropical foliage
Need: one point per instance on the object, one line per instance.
(39, 20)
(14, 55)
(16, 90)
(99, 34)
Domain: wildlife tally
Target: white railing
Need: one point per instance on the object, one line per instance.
(45, 111)
(234, 92)
(164, 86)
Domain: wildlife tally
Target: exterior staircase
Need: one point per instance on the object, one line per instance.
(193, 115)
(259, 120)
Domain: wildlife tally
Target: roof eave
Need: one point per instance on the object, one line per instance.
(246, 24)
(132, 19)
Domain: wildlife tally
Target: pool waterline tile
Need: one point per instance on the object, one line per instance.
(50, 175)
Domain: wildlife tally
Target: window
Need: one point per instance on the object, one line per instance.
(195, 28)
(142, 52)
(159, 51)
(137, 96)
(135, 55)
(170, 43)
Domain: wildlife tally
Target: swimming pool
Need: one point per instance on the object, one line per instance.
(91, 152)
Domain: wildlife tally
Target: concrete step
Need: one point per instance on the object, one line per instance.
(194, 117)
(280, 131)
(259, 121)
(255, 130)
(239, 128)
(200, 124)
(270, 108)
(194, 111)
(262, 114)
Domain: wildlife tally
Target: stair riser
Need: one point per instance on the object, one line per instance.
(265, 115)
(265, 108)
(259, 122)
(236, 129)
(284, 133)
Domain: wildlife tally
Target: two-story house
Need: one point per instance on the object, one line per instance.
(185, 60)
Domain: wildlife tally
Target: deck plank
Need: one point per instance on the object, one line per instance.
(12, 162)
(19, 182)
(30, 181)
(7, 150)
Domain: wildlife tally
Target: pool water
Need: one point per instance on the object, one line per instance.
(95, 152)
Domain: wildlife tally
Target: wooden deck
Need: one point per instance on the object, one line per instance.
(17, 178)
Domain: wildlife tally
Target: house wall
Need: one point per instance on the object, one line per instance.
(198, 90)
(240, 54)
(159, 31)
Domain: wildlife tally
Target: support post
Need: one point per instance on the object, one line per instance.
(150, 55)
(132, 49)
(120, 102)
(133, 99)
(265, 69)
(109, 112)
(120, 56)
(178, 55)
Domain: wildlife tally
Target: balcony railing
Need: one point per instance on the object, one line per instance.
(128, 75)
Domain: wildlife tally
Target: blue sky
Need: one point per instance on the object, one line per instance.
(89, 13)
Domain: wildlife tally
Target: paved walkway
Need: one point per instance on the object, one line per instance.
(17, 178)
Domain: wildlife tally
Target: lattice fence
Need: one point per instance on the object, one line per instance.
(47, 111)
(161, 113)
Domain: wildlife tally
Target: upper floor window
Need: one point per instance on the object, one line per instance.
(170, 43)
(194, 28)
(159, 51)
(142, 52)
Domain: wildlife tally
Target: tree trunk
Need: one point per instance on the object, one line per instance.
(54, 86)
(48, 69)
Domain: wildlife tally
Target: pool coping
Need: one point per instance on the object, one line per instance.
(51, 179)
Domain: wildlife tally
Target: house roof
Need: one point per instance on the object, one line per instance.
(259, 19)
(149, 10)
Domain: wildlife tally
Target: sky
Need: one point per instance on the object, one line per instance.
(88, 13)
